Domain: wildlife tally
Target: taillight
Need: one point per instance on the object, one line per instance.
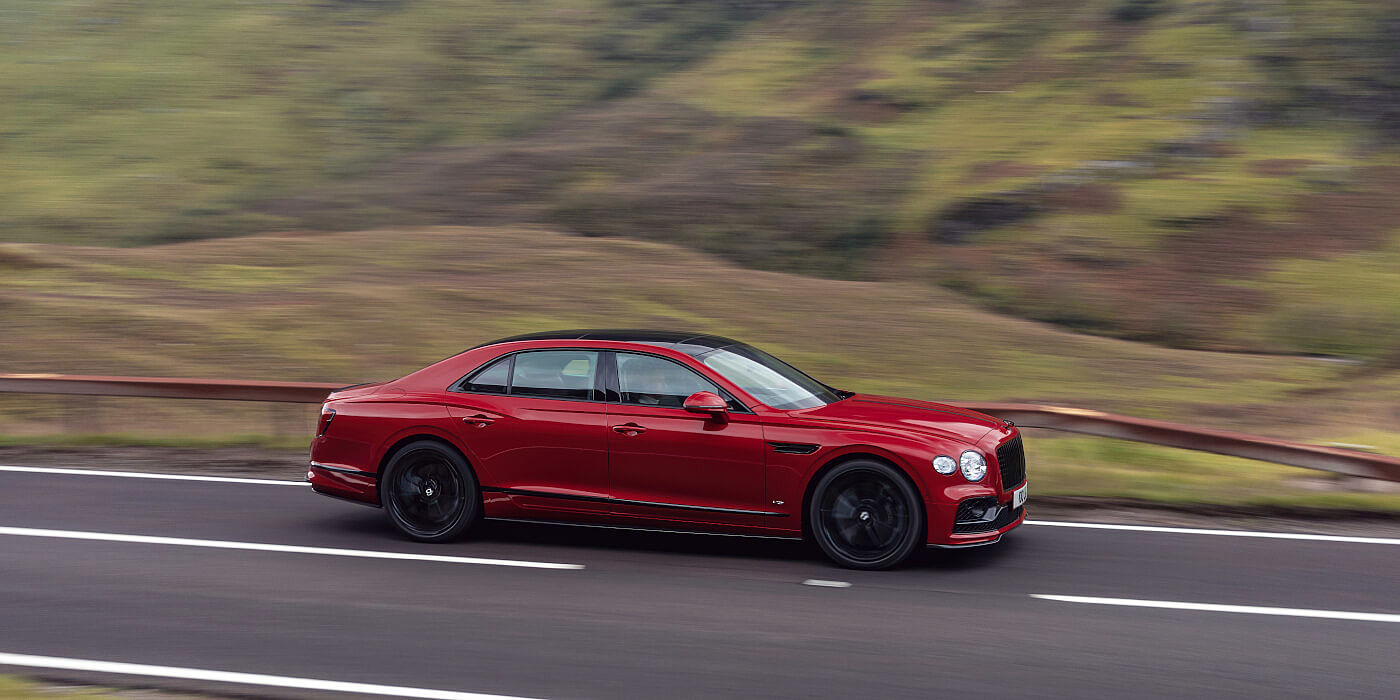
(327, 415)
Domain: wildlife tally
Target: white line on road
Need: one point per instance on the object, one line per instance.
(147, 475)
(1212, 607)
(1048, 523)
(1221, 533)
(199, 674)
(826, 584)
(285, 548)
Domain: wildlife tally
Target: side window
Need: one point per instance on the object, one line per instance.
(555, 374)
(495, 379)
(652, 381)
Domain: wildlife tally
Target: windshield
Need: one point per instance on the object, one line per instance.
(768, 379)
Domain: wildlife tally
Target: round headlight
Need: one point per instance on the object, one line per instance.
(943, 464)
(974, 467)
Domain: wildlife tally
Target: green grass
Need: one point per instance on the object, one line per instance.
(822, 138)
(377, 303)
(12, 688)
(1099, 467)
(126, 121)
(1347, 305)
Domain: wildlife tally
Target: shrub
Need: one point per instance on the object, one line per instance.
(1138, 10)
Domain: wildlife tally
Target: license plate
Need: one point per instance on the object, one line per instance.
(1018, 497)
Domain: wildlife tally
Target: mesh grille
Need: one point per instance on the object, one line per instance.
(1011, 460)
(1004, 518)
(967, 508)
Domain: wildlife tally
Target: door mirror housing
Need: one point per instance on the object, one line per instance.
(707, 402)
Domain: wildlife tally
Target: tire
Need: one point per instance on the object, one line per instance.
(429, 492)
(865, 514)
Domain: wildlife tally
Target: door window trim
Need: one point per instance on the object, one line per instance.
(606, 387)
(615, 383)
(596, 391)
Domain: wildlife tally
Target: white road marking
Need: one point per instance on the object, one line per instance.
(1212, 607)
(826, 584)
(285, 548)
(1221, 533)
(148, 475)
(1048, 523)
(199, 674)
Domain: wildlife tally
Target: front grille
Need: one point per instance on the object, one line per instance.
(1004, 518)
(1011, 459)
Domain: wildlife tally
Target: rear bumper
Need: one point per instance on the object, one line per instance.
(343, 482)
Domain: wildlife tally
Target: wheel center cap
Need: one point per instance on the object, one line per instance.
(865, 515)
(429, 489)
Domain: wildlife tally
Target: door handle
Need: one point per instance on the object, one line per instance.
(479, 420)
(629, 429)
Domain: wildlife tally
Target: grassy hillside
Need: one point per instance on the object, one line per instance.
(375, 304)
(127, 122)
(1201, 173)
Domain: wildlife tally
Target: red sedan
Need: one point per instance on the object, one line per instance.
(667, 430)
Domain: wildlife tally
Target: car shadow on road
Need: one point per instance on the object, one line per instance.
(608, 538)
(375, 527)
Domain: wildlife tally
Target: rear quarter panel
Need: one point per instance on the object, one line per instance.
(366, 428)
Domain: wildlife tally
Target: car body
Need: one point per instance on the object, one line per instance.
(667, 430)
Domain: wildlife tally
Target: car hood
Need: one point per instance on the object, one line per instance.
(908, 414)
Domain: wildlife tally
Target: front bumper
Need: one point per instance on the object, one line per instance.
(946, 531)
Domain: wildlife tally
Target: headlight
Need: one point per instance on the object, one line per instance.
(974, 467)
(943, 464)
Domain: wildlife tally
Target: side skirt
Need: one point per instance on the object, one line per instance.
(633, 528)
(627, 502)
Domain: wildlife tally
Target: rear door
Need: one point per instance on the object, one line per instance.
(536, 423)
(669, 464)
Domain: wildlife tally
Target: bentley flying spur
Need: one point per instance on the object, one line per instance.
(668, 430)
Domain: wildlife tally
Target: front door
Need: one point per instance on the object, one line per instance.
(669, 464)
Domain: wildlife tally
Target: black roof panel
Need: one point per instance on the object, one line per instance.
(691, 343)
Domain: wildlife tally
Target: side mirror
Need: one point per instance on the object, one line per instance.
(707, 402)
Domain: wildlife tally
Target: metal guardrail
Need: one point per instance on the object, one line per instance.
(1187, 437)
(167, 388)
(1070, 420)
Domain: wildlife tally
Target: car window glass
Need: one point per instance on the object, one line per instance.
(555, 374)
(493, 379)
(652, 381)
(768, 379)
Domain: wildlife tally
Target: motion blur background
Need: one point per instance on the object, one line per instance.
(1178, 209)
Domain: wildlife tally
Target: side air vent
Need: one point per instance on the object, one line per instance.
(794, 448)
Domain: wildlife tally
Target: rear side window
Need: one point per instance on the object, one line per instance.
(555, 374)
(492, 380)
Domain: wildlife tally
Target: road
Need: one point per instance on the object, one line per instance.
(666, 616)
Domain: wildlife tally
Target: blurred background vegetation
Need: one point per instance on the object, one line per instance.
(1172, 208)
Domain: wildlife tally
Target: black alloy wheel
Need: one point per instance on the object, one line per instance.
(865, 514)
(430, 492)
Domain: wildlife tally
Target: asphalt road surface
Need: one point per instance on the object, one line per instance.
(89, 577)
